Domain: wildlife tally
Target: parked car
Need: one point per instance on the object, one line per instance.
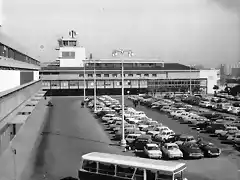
(152, 150)
(171, 151)
(209, 149)
(140, 142)
(191, 150)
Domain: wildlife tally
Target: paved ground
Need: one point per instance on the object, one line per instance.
(222, 168)
(71, 132)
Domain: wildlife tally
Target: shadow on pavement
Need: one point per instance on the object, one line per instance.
(39, 161)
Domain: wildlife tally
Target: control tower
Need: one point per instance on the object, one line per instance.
(71, 54)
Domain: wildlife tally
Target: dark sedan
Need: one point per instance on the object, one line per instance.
(209, 149)
(191, 150)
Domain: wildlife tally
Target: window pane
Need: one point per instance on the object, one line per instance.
(139, 175)
(105, 168)
(90, 166)
(124, 171)
(163, 176)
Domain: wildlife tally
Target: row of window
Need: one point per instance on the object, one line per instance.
(16, 55)
(127, 65)
(67, 43)
(123, 171)
(116, 75)
(68, 55)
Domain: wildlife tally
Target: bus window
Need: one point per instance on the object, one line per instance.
(150, 175)
(105, 168)
(124, 171)
(90, 166)
(178, 176)
(139, 174)
(161, 176)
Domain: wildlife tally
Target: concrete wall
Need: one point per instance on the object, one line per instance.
(212, 79)
(36, 75)
(26, 77)
(80, 55)
(11, 101)
(26, 146)
(9, 79)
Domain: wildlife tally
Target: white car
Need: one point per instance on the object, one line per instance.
(171, 150)
(152, 150)
(131, 137)
(166, 134)
(158, 130)
(107, 117)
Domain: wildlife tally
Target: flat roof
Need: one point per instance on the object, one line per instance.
(19, 119)
(167, 66)
(8, 41)
(168, 167)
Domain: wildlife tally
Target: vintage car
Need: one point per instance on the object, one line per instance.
(191, 150)
(185, 138)
(209, 149)
(140, 142)
(171, 151)
(152, 150)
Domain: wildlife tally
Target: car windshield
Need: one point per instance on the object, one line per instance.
(194, 146)
(153, 148)
(210, 145)
(172, 147)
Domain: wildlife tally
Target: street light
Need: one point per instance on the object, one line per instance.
(84, 81)
(95, 88)
(190, 89)
(121, 52)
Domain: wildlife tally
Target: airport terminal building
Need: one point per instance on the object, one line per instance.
(140, 75)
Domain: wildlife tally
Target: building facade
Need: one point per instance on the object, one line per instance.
(17, 69)
(140, 75)
(70, 53)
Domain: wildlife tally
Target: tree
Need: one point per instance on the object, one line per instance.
(227, 89)
(215, 87)
(235, 90)
(174, 89)
(183, 89)
(196, 89)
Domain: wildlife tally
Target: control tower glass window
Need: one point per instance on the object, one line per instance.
(72, 43)
(68, 55)
(65, 43)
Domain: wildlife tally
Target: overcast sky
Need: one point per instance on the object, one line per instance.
(186, 31)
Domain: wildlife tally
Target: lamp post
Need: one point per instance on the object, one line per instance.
(190, 83)
(84, 81)
(121, 52)
(95, 88)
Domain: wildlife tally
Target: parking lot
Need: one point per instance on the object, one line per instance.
(72, 131)
(224, 167)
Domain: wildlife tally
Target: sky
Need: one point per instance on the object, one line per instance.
(186, 31)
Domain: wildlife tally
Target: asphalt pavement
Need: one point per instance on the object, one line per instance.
(71, 131)
(221, 168)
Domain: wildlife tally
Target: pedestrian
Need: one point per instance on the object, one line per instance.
(82, 104)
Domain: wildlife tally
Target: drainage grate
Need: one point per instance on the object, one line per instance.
(24, 113)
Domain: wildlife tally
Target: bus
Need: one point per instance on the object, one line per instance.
(105, 166)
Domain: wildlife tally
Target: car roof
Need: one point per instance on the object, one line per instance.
(171, 144)
(185, 136)
(152, 145)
